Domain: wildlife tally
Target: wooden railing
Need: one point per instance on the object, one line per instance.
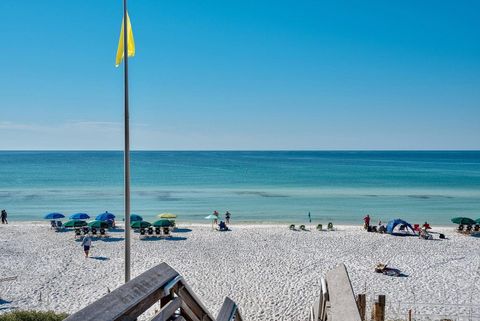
(337, 300)
(159, 284)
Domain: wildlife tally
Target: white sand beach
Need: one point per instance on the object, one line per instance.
(271, 272)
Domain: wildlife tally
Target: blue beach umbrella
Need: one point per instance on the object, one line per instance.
(53, 216)
(135, 218)
(105, 217)
(79, 216)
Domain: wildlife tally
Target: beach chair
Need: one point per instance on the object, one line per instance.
(476, 228)
(460, 228)
(85, 230)
(330, 226)
(158, 232)
(416, 227)
(468, 229)
(319, 227)
(292, 227)
(59, 226)
(374, 229)
(150, 231)
(103, 233)
(302, 228)
(94, 231)
(53, 224)
(142, 232)
(166, 232)
(78, 232)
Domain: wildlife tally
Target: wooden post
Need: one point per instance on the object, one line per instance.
(362, 305)
(410, 315)
(378, 311)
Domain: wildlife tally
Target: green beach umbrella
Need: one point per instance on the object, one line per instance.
(140, 224)
(162, 223)
(477, 220)
(463, 220)
(75, 223)
(98, 224)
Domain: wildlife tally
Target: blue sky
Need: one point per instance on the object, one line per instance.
(242, 75)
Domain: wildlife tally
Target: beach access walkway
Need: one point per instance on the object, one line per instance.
(176, 301)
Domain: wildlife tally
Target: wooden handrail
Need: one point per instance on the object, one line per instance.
(336, 301)
(159, 284)
(131, 299)
(229, 311)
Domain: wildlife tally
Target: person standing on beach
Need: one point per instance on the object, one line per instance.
(215, 221)
(366, 221)
(227, 217)
(86, 243)
(4, 217)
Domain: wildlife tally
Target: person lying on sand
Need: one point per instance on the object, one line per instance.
(382, 268)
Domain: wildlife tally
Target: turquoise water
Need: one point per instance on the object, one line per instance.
(253, 186)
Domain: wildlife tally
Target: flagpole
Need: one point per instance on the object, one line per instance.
(127, 146)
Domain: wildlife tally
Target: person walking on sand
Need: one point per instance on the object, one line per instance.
(4, 217)
(366, 221)
(86, 243)
(227, 217)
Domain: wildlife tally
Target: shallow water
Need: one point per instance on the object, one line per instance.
(254, 186)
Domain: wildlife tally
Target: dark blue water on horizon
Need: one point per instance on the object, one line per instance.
(256, 186)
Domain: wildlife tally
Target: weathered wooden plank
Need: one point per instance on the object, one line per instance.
(193, 302)
(168, 310)
(131, 299)
(188, 313)
(227, 311)
(341, 298)
(362, 305)
(323, 300)
(238, 316)
(11, 278)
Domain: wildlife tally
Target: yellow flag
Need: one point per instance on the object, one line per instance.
(131, 43)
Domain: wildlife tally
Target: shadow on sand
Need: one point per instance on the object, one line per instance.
(110, 239)
(156, 238)
(182, 230)
(100, 258)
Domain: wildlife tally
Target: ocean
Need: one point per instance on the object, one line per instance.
(256, 186)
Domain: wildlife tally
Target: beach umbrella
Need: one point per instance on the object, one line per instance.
(79, 216)
(135, 218)
(212, 217)
(53, 216)
(140, 224)
(98, 224)
(75, 223)
(167, 215)
(162, 223)
(105, 217)
(463, 220)
(477, 220)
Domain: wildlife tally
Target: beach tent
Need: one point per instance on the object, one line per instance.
(394, 227)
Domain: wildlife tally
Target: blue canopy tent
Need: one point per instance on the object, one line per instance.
(399, 227)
